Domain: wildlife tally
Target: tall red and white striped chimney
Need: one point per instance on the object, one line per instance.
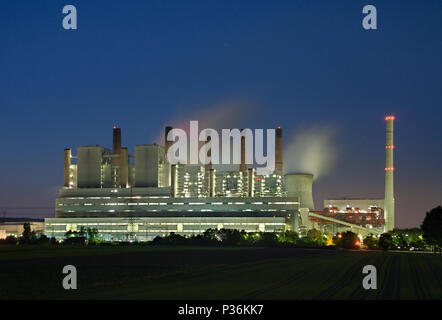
(389, 174)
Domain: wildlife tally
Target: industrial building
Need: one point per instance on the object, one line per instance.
(139, 196)
(377, 214)
(15, 227)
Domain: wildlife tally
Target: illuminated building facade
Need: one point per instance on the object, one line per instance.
(141, 196)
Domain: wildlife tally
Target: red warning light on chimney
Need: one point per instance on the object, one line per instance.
(389, 118)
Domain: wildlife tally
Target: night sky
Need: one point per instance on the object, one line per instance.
(256, 64)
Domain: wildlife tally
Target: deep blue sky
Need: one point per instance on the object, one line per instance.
(297, 63)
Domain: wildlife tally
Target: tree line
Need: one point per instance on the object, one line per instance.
(429, 235)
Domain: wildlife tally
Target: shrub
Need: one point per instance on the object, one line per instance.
(9, 240)
(385, 241)
(371, 242)
(75, 240)
(347, 240)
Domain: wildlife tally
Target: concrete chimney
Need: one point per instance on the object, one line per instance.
(243, 165)
(278, 151)
(208, 166)
(251, 182)
(209, 172)
(116, 152)
(67, 167)
(389, 173)
(300, 185)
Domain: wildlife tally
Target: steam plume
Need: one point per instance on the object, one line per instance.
(224, 115)
(311, 150)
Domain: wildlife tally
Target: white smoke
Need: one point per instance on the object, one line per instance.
(223, 115)
(228, 114)
(311, 150)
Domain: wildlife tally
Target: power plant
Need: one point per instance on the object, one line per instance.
(136, 197)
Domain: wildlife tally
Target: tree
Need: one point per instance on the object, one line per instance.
(316, 237)
(350, 240)
(288, 237)
(408, 238)
(75, 240)
(329, 238)
(9, 240)
(371, 242)
(432, 227)
(210, 235)
(82, 232)
(175, 239)
(385, 241)
(28, 236)
(268, 238)
(69, 234)
(43, 239)
(231, 237)
(92, 234)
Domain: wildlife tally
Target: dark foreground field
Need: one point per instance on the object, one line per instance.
(215, 273)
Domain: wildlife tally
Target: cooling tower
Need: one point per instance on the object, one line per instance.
(389, 170)
(89, 164)
(300, 185)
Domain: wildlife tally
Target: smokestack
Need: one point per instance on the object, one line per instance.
(278, 150)
(116, 151)
(208, 166)
(250, 182)
(243, 165)
(389, 172)
(67, 167)
(300, 185)
(208, 170)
